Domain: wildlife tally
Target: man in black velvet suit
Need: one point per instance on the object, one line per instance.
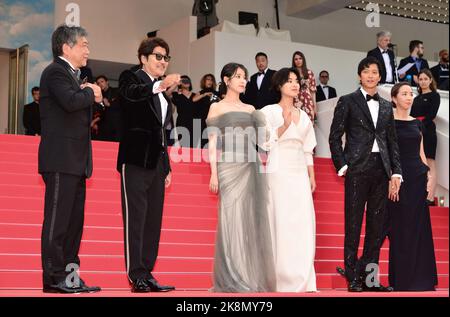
(369, 160)
(385, 57)
(65, 158)
(325, 92)
(259, 92)
(143, 160)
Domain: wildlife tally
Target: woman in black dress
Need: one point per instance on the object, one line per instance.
(425, 108)
(183, 101)
(412, 262)
(207, 96)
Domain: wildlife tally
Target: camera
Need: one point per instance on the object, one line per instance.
(214, 98)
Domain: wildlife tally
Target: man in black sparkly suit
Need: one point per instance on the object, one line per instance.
(369, 160)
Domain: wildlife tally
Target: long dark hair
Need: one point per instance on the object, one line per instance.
(427, 72)
(229, 70)
(304, 68)
(395, 90)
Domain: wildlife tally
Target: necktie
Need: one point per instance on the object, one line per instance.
(77, 73)
(375, 97)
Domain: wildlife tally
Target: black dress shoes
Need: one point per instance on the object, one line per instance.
(140, 286)
(62, 288)
(355, 286)
(155, 287)
(380, 288)
(88, 289)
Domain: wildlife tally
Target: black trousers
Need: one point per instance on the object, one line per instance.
(62, 229)
(142, 205)
(368, 188)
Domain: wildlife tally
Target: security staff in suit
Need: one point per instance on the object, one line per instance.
(31, 116)
(325, 92)
(65, 158)
(385, 57)
(369, 160)
(143, 161)
(259, 91)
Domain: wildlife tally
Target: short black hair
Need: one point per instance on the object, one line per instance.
(261, 54)
(324, 71)
(148, 45)
(100, 77)
(66, 35)
(34, 89)
(413, 44)
(282, 76)
(366, 62)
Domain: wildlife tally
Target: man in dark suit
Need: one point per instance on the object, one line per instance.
(414, 63)
(369, 160)
(440, 71)
(385, 57)
(143, 160)
(325, 92)
(109, 126)
(259, 92)
(31, 116)
(65, 158)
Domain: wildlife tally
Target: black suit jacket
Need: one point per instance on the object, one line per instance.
(352, 117)
(413, 70)
(264, 96)
(66, 112)
(32, 119)
(144, 135)
(320, 95)
(377, 54)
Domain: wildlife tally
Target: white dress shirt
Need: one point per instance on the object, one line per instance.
(387, 64)
(163, 101)
(260, 78)
(325, 90)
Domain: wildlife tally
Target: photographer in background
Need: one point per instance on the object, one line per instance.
(203, 100)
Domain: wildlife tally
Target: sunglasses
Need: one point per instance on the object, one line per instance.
(159, 57)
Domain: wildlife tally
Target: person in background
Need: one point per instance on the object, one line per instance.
(324, 91)
(110, 124)
(202, 101)
(440, 71)
(414, 63)
(31, 116)
(385, 57)
(183, 101)
(307, 95)
(412, 261)
(425, 108)
(259, 91)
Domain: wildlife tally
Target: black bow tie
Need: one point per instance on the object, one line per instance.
(261, 73)
(375, 97)
(324, 86)
(384, 52)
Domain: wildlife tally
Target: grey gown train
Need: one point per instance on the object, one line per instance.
(243, 259)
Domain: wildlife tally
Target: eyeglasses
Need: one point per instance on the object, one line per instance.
(159, 57)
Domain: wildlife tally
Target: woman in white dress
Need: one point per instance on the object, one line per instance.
(291, 182)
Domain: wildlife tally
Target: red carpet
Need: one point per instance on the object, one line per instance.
(187, 242)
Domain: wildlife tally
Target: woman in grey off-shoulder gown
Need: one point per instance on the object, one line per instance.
(243, 259)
